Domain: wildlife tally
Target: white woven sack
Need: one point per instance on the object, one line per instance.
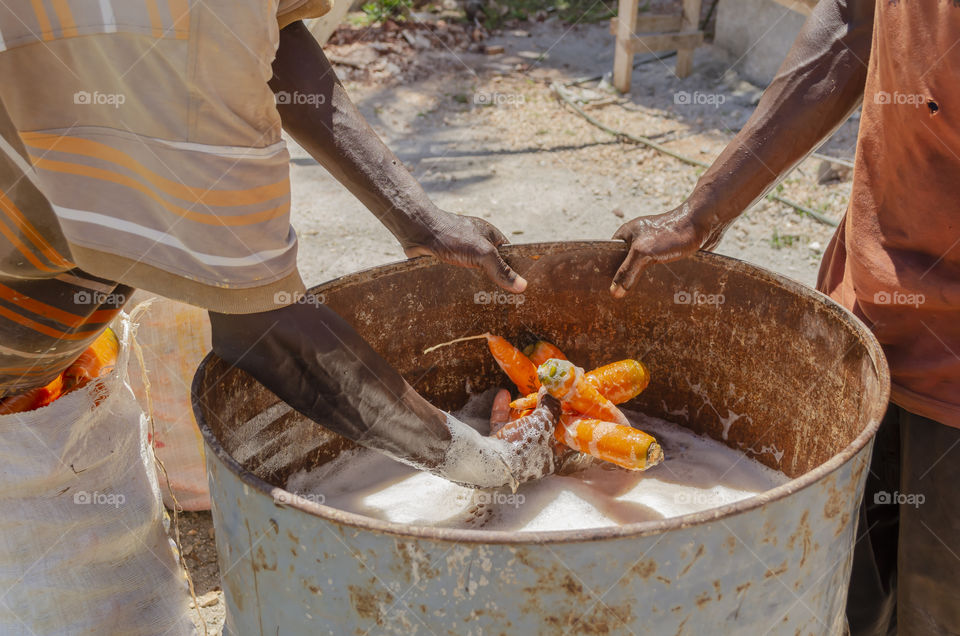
(174, 338)
(82, 544)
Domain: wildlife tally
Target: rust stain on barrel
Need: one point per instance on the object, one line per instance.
(834, 504)
(777, 571)
(730, 543)
(571, 586)
(604, 620)
(696, 556)
(644, 569)
(367, 603)
(804, 534)
(702, 599)
(259, 561)
(844, 521)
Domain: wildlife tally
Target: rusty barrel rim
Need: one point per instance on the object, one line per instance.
(644, 528)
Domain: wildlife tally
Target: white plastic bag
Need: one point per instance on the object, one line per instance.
(174, 338)
(82, 544)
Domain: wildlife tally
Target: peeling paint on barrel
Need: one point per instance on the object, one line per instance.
(775, 564)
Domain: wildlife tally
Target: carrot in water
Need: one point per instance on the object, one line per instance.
(624, 446)
(618, 382)
(500, 411)
(516, 414)
(526, 402)
(517, 366)
(99, 358)
(541, 351)
(567, 383)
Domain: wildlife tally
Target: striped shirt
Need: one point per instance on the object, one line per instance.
(140, 147)
(156, 140)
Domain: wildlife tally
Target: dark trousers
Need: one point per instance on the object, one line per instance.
(906, 564)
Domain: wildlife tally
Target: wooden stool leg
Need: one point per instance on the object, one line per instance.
(691, 19)
(623, 53)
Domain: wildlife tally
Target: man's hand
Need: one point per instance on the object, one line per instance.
(818, 85)
(656, 239)
(532, 452)
(467, 241)
(334, 132)
(317, 363)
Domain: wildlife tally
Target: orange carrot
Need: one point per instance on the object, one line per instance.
(617, 381)
(517, 366)
(541, 351)
(33, 399)
(566, 382)
(99, 358)
(500, 411)
(624, 446)
(620, 381)
(525, 402)
(516, 414)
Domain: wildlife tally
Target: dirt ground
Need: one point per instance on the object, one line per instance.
(484, 133)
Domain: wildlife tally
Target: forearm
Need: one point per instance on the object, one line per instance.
(819, 84)
(317, 363)
(328, 126)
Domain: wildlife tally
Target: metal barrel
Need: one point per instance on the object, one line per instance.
(735, 352)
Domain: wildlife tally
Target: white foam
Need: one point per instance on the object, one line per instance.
(698, 474)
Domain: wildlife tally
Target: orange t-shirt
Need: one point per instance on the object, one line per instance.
(895, 260)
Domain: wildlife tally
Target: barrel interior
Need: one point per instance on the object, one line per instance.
(736, 353)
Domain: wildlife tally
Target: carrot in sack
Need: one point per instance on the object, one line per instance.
(567, 383)
(624, 446)
(541, 351)
(98, 359)
(34, 398)
(517, 366)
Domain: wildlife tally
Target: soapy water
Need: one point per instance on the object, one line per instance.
(698, 473)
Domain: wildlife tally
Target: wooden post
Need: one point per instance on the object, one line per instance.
(623, 51)
(691, 19)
